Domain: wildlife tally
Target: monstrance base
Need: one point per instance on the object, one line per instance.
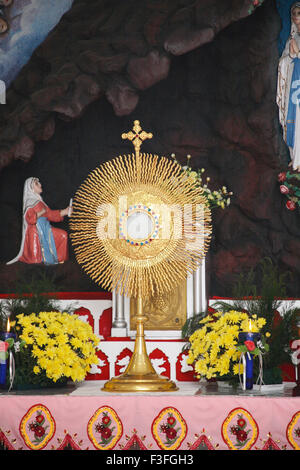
(139, 383)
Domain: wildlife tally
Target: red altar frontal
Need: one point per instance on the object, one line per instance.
(192, 418)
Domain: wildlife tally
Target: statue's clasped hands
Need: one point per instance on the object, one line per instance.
(294, 49)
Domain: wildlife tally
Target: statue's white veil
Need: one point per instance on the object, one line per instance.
(293, 26)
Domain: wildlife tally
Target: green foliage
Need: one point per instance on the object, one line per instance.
(192, 324)
(34, 294)
(272, 375)
(10, 342)
(24, 374)
(32, 297)
(267, 299)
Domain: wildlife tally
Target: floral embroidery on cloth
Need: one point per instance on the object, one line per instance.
(239, 430)
(169, 429)
(37, 427)
(105, 428)
(293, 431)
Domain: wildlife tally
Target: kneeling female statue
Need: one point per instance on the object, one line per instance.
(41, 243)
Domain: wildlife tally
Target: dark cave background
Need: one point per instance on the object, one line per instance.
(216, 102)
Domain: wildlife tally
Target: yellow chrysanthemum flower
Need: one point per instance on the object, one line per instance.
(62, 344)
(36, 370)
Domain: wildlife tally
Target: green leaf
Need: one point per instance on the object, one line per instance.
(10, 342)
(192, 324)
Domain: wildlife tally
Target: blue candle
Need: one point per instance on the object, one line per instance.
(5, 335)
(2, 372)
(3, 349)
(249, 336)
(3, 363)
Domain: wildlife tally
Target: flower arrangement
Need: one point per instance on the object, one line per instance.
(255, 4)
(266, 299)
(214, 348)
(57, 346)
(217, 198)
(290, 187)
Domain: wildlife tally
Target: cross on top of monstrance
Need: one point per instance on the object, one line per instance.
(137, 136)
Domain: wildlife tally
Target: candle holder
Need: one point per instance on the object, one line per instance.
(295, 347)
(296, 390)
(248, 362)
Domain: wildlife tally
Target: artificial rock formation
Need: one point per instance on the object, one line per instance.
(106, 48)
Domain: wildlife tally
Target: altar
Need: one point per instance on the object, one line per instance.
(196, 417)
(199, 415)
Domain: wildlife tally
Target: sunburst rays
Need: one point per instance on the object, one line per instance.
(154, 266)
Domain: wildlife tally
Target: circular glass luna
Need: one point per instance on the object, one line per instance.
(139, 225)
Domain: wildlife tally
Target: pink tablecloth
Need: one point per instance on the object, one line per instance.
(149, 422)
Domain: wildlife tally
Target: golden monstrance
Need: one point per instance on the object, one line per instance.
(140, 224)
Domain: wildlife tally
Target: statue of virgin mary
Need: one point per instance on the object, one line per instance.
(41, 243)
(288, 89)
